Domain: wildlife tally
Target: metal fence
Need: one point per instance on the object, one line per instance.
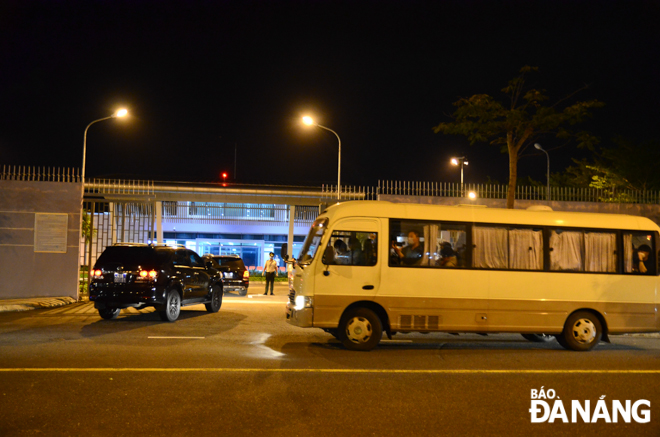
(115, 222)
(119, 186)
(491, 191)
(41, 174)
(349, 192)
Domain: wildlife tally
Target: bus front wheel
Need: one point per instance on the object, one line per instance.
(360, 329)
(582, 331)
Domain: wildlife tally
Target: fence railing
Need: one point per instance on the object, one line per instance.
(119, 186)
(39, 174)
(351, 192)
(492, 191)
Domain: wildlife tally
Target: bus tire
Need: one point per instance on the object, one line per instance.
(360, 329)
(538, 338)
(582, 331)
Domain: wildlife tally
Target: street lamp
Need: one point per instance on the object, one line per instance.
(119, 114)
(537, 146)
(310, 122)
(460, 161)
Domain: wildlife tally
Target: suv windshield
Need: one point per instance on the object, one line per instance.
(131, 257)
(313, 240)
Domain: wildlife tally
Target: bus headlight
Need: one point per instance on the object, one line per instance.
(302, 302)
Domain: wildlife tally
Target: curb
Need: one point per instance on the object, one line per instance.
(33, 304)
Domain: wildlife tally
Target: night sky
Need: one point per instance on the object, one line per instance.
(203, 80)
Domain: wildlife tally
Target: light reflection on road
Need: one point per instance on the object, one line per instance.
(260, 349)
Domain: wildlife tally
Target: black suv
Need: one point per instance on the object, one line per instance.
(235, 276)
(140, 275)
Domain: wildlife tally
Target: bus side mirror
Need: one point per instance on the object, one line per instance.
(329, 255)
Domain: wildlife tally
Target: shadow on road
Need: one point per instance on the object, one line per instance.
(447, 342)
(190, 322)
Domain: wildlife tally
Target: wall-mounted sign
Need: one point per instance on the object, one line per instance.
(50, 232)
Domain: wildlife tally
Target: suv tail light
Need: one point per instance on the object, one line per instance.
(246, 275)
(97, 274)
(148, 274)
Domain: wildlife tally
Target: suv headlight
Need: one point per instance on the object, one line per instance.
(302, 302)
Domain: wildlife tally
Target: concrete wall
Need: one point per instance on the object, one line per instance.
(649, 211)
(35, 267)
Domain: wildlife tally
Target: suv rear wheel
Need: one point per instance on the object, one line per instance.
(109, 313)
(172, 307)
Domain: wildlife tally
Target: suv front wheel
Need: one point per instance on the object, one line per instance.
(172, 307)
(216, 300)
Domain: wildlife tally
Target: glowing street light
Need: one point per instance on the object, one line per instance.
(119, 114)
(310, 122)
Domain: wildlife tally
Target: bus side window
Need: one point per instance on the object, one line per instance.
(429, 244)
(351, 248)
(638, 253)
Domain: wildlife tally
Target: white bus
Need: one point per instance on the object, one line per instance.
(372, 266)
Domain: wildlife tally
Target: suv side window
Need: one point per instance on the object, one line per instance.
(181, 258)
(195, 260)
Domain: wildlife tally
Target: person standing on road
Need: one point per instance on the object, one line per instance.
(270, 269)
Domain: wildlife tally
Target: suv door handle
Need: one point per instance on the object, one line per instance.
(368, 287)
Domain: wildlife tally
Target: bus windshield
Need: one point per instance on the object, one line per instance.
(312, 242)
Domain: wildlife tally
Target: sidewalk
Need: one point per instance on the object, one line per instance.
(33, 303)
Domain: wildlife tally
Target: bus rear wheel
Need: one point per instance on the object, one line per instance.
(360, 329)
(582, 332)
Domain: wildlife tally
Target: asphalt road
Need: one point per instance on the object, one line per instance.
(244, 371)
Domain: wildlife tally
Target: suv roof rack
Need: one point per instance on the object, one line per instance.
(150, 245)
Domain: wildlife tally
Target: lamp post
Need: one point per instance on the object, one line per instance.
(310, 122)
(119, 114)
(460, 161)
(537, 146)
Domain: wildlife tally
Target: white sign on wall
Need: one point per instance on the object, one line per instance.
(50, 232)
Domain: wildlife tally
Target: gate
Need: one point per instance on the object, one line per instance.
(106, 223)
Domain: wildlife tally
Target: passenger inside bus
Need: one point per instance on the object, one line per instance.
(447, 255)
(411, 254)
(341, 253)
(369, 250)
(642, 261)
(355, 252)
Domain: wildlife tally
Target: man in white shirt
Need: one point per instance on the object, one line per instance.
(270, 269)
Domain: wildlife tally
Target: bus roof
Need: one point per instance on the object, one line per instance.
(480, 214)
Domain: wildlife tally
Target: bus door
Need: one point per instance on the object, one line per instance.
(348, 270)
